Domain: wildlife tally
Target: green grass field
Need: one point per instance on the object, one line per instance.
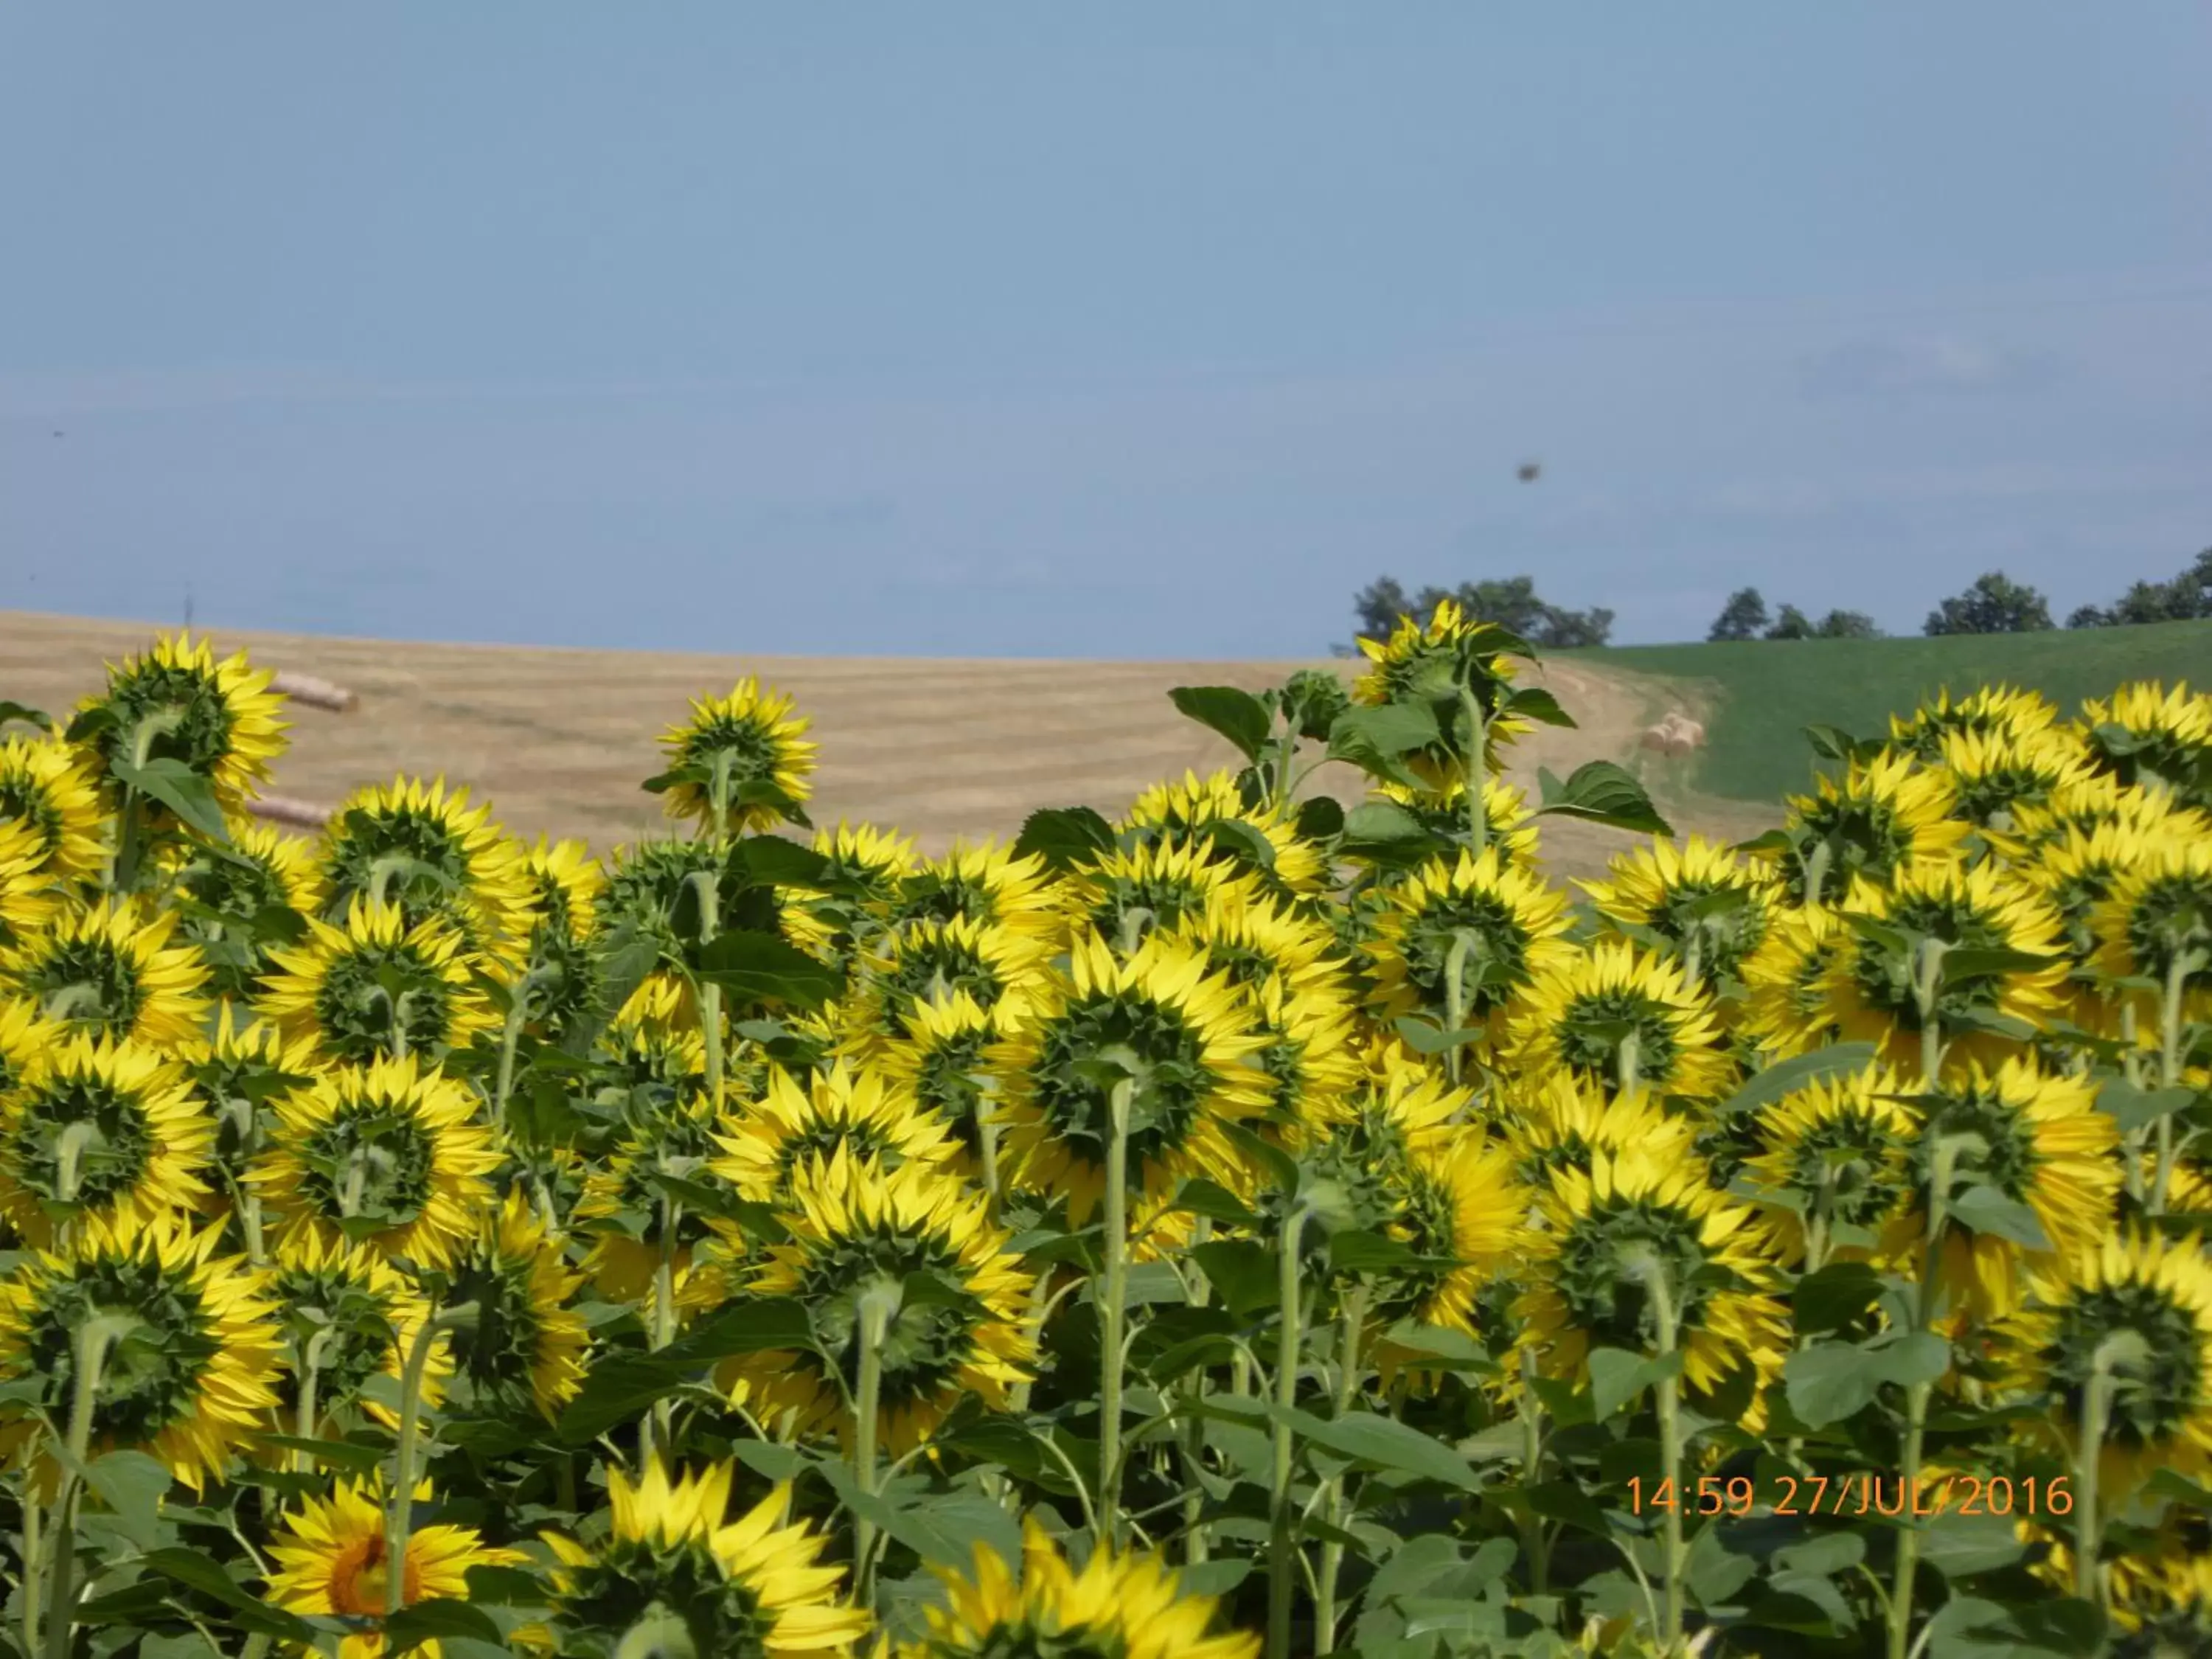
(1763, 693)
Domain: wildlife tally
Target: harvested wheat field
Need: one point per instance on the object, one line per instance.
(944, 749)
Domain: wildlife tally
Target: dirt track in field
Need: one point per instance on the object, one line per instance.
(942, 749)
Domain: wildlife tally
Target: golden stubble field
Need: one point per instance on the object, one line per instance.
(944, 749)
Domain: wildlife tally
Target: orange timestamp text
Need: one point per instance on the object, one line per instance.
(1857, 1494)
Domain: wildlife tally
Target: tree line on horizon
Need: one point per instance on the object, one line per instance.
(1992, 603)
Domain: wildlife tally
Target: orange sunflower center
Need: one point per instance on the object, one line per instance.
(359, 1578)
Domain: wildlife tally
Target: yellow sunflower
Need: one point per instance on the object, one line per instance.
(44, 788)
(390, 1155)
(378, 985)
(1566, 1123)
(755, 743)
(1311, 1061)
(1874, 991)
(986, 885)
(1705, 901)
(1601, 1237)
(563, 883)
(622, 1208)
(2156, 924)
(349, 1316)
(1131, 1607)
(2140, 1308)
(25, 1034)
(1786, 1009)
(1208, 816)
(1188, 1040)
(204, 1351)
(1834, 1164)
(332, 1558)
(1498, 929)
(29, 898)
(1254, 939)
(2034, 1139)
(943, 1064)
(1436, 664)
(856, 1229)
(1999, 709)
(1508, 824)
(2149, 734)
(415, 847)
(928, 961)
(111, 968)
(755, 1586)
(844, 1107)
(526, 1343)
(864, 868)
(1881, 815)
(1125, 896)
(177, 702)
(101, 1133)
(2000, 780)
(1466, 1204)
(1618, 1015)
(267, 867)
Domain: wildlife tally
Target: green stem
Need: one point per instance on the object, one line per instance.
(1629, 1057)
(93, 1341)
(1534, 1541)
(398, 1522)
(878, 1303)
(1669, 1390)
(1349, 1379)
(33, 1565)
(664, 1307)
(1282, 1541)
(510, 1039)
(1113, 1310)
(1193, 1444)
(1455, 994)
(2088, 1523)
(2169, 1070)
(1478, 818)
(303, 1419)
(1916, 1398)
(1927, 984)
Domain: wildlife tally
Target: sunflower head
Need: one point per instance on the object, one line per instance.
(986, 884)
(1880, 815)
(45, 787)
(1998, 710)
(928, 961)
(99, 1131)
(2132, 1318)
(1710, 907)
(562, 882)
(1834, 1163)
(1151, 1032)
(111, 968)
(1125, 896)
(390, 1155)
(1564, 1123)
(378, 985)
(2156, 921)
(859, 1236)
(178, 703)
(1463, 1211)
(1618, 1015)
(1127, 1606)
(795, 1120)
(1469, 936)
(2001, 779)
(1440, 810)
(185, 1346)
(424, 852)
(943, 1064)
(331, 1560)
(27, 896)
(236, 901)
(1786, 1009)
(1443, 665)
(752, 1588)
(1211, 817)
(526, 1343)
(2154, 736)
(747, 750)
(348, 1316)
(1253, 940)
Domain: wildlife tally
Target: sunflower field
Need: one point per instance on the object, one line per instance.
(1249, 1227)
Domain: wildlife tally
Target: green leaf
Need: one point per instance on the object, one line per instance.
(756, 1327)
(1598, 791)
(1985, 1210)
(1830, 1382)
(1962, 965)
(773, 1462)
(772, 860)
(1834, 1298)
(618, 1387)
(1320, 818)
(1215, 1202)
(1831, 742)
(1798, 1072)
(1426, 1038)
(1533, 702)
(1618, 1376)
(132, 1485)
(178, 788)
(2134, 1108)
(1242, 1271)
(756, 968)
(1918, 1357)
(200, 1572)
(1064, 836)
(1376, 740)
(1383, 1441)
(1237, 714)
(1281, 1168)
(12, 714)
(437, 1621)
(1960, 1545)
(1352, 1251)
(1242, 841)
(338, 1454)
(1379, 822)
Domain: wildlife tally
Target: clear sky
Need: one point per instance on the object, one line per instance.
(1142, 329)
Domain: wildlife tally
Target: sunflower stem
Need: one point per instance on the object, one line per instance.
(1917, 1395)
(877, 1303)
(399, 1522)
(664, 1308)
(1669, 1388)
(1926, 982)
(510, 1039)
(1347, 1389)
(1629, 1058)
(1282, 1519)
(2088, 1523)
(94, 1340)
(1534, 1539)
(2169, 1069)
(1455, 994)
(1478, 816)
(34, 1564)
(1194, 1441)
(1113, 1310)
(303, 1419)
(1815, 870)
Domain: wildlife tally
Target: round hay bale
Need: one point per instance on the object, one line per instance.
(292, 814)
(315, 692)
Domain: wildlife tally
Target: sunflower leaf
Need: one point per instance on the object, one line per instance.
(1237, 714)
(759, 968)
(1381, 1442)
(1830, 1382)
(13, 713)
(441, 1620)
(178, 788)
(1798, 1072)
(196, 1572)
(132, 1485)
(1985, 1210)
(1598, 791)
(1374, 739)
(1064, 836)
(2134, 1108)
(1533, 702)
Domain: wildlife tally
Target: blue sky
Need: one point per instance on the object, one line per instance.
(1143, 331)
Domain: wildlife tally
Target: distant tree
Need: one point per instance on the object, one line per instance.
(1792, 624)
(2187, 598)
(1993, 604)
(1848, 625)
(1742, 617)
(1511, 604)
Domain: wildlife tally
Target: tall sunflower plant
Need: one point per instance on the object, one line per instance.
(1261, 1224)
